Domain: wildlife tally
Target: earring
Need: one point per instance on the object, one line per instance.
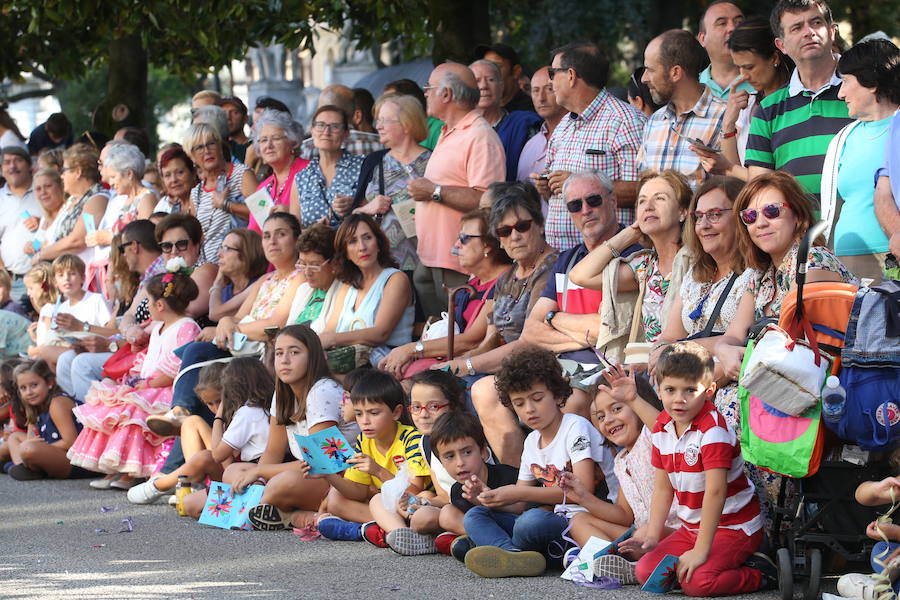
(486, 254)
(775, 64)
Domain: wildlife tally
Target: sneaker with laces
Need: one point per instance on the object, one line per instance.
(408, 542)
(460, 547)
(856, 585)
(267, 517)
(615, 566)
(493, 562)
(145, 493)
(570, 556)
(765, 565)
(374, 534)
(443, 542)
(335, 528)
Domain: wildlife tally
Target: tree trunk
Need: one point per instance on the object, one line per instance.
(126, 88)
(459, 26)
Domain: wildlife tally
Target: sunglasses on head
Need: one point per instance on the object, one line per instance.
(769, 211)
(576, 204)
(520, 226)
(180, 245)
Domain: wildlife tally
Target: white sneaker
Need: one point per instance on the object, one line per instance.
(145, 493)
(615, 566)
(105, 483)
(856, 585)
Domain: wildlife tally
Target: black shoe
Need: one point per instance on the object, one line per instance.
(766, 566)
(23, 473)
(460, 547)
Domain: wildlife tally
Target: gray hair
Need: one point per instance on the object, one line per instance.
(491, 65)
(125, 157)
(214, 116)
(597, 177)
(513, 195)
(280, 120)
(463, 94)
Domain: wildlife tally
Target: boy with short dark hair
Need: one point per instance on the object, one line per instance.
(698, 460)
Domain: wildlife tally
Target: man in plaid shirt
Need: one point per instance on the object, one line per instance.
(673, 63)
(600, 133)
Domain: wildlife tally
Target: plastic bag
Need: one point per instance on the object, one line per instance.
(392, 490)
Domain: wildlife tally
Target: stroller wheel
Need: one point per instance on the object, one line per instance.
(814, 562)
(785, 574)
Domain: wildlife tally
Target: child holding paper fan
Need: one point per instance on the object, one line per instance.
(115, 438)
(386, 445)
(240, 430)
(307, 400)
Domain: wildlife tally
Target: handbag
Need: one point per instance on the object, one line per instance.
(786, 373)
(121, 361)
(249, 347)
(440, 328)
(343, 359)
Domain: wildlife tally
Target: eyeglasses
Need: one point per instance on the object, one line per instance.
(576, 204)
(223, 247)
(465, 238)
(64, 169)
(431, 407)
(321, 126)
(380, 122)
(769, 211)
(180, 245)
(713, 215)
(521, 226)
(275, 139)
(302, 266)
(122, 247)
(552, 71)
(208, 146)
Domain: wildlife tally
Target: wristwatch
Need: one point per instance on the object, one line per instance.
(549, 318)
(86, 326)
(420, 349)
(436, 194)
(113, 346)
(470, 367)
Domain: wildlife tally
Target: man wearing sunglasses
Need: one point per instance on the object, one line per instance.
(601, 133)
(468, 157)
(566, 317)
(793, 126)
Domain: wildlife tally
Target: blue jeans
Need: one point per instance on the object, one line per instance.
(183, 394)
(76, 372)
(534, 529)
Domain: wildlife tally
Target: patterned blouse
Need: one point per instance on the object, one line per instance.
(396, 176)
(71, 212)
(698, 299)
(646, 268)
(270, 294)
(217, 222)
(770, 288)
(514, 298)
(316, 197)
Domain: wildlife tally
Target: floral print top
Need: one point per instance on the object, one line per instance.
(270, 294)
(698, 299)
(769, 288)
(646, 268)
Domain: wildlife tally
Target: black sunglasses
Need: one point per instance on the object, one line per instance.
(464, 238)
(520, 226)
(576, 204)
(552, 71)
(180, 245)
(122, 247)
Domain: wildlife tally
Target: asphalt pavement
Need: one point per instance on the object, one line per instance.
(50, 548)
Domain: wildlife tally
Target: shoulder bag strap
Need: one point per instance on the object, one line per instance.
(714, 316)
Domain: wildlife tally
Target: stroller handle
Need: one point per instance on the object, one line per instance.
(803, 260)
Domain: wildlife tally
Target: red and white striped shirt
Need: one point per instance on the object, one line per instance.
(709, 443)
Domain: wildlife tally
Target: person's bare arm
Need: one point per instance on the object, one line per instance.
(457, 197)
(887, 213)
(203, 277)
(565, 333)
(397, 297)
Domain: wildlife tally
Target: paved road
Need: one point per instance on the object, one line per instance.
(48, 550)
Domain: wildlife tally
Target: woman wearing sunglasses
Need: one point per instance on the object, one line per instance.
(662, 205)
(772, 215)
(480, 254)
(518, 223)
(710, 234)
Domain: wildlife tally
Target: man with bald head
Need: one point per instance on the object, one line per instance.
(468, 157)
(357, 142)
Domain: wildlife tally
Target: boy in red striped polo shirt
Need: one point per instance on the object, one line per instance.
(698, 460)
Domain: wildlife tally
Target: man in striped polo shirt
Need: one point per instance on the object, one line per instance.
(698, 460)
(794, 126)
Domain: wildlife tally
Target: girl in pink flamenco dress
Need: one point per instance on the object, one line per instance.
(115, 438)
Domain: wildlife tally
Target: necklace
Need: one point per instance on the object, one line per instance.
(870, 125)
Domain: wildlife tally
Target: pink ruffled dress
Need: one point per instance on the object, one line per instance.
(115, 438)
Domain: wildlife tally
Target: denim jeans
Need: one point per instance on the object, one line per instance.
(183, 394)
(534, 529)
(76, 372)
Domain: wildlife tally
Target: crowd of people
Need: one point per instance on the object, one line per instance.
(453, 276)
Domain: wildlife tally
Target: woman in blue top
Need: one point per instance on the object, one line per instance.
(373, 305)
(327, 185)
(871, 88)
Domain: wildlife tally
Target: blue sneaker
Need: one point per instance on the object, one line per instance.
(335, 528)
(9, 465)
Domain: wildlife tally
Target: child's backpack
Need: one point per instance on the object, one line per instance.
(871, 370)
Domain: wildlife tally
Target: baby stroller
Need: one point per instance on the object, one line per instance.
(821, 523)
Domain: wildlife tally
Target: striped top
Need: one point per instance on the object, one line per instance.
(709, 443)
(792, 129)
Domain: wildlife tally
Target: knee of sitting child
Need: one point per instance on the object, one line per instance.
(645, 567)
(234, 471)
(448, 517)
(28, 451)
(473, 514)
(426, 519)
(484, 396)
(700, 585)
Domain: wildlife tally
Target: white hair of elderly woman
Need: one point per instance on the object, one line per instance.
(279, 120)
(125, 157)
